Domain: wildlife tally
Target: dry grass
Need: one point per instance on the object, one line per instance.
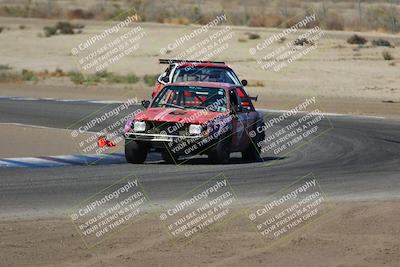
(76, 77)
(333, 15)
(357, 39)
(387, 55)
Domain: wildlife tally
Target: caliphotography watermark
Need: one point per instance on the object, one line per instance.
(199, 210)
(285, 132)
(289, 210)
(102, 50)
(209, 125)
(220, 128)
(202, 44)
(199, 32)
(281, 49)
(102, 130)
(109, 211)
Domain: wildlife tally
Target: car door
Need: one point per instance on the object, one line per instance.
(239, 122)
(252, 114)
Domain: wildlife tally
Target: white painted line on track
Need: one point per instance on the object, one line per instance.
(323, 113)
(62, 100)
(64, 160)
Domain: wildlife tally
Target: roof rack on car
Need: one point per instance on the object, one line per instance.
(173, 61)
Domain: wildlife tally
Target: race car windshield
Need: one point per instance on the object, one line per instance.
(192, 97)
(205, 74)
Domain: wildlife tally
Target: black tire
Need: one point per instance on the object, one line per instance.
(167, 157)
(253, 151)
(135, 152)
(221, 152)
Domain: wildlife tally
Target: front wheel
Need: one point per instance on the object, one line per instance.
(135, 152)
(253, 151)
(221, 152)
(169, 157)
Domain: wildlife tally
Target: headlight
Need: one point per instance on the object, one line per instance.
(195, 129)
(139, 126)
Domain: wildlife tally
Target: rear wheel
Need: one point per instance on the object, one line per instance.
(135, 152)
(221, 152)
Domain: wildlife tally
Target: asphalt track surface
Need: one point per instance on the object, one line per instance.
(358, 158)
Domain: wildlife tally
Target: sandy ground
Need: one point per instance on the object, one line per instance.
(358, 233)
(101, 92)
(345, 78)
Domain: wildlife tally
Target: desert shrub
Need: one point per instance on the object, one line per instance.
(62, 28)
(387, 55)
(253, 36)
(27, 75)
(131, 78)
(78, 26)
(65, 27)
(6, 76)
(22, 27)
(102, 76)
(113, 78)
(80, 14)
(150, 80)
(57, 73)
(356, 39)
(49, 31)
(381, 42)
(242, 40)
(196, 15)
(76, 77)
(5, 67)
(24, 75)
(1, 29)
(303, 41)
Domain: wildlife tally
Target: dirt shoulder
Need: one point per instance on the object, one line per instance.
(101, 92)
(28, 141)
(359, 233)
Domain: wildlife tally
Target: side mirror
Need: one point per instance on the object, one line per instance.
(145, 103)
(244, 82)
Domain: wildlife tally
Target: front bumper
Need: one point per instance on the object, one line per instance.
(160, 137)
(177, 144)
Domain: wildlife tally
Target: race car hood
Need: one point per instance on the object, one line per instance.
(177, 115)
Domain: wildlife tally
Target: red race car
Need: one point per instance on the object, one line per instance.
(194, 118)
(196, 71)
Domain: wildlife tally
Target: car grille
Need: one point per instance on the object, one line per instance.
(168, 128)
